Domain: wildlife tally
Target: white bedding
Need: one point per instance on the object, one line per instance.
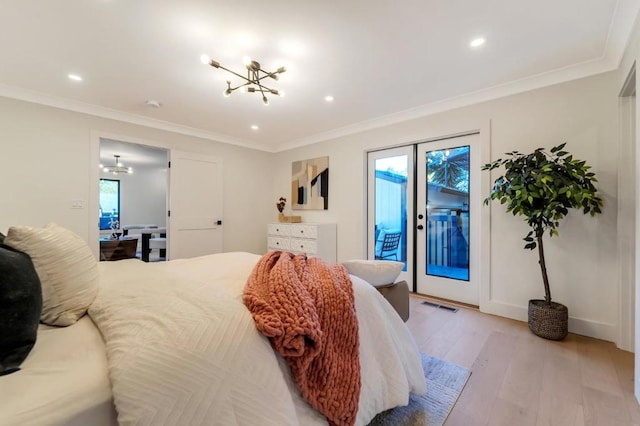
(63, 381)
(183, 349)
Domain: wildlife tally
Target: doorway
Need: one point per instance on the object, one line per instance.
(628, 232)
(429, 192)
(133, 200)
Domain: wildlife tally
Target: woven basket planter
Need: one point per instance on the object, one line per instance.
(548, 321)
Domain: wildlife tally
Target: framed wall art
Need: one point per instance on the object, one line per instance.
(310, 184)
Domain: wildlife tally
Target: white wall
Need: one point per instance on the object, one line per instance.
(581, 262)
(143, 196)
(629, 171)
(45, 165)
(35, 140)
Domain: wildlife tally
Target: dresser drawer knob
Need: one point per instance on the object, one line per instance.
(277, 243)
(302, 231)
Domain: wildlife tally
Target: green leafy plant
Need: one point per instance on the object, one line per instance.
(542, 187)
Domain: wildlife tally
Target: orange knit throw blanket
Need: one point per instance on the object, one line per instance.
(305, 306)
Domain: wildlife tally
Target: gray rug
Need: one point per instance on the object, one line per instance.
(445, 382)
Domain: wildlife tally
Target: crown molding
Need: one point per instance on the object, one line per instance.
(573, 72)
(98, 111)
(624, 20)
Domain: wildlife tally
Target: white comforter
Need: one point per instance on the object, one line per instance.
(183, 349)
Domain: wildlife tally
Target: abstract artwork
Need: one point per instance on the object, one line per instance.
(310, 184)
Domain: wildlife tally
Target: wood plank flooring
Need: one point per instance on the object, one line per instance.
(521, 379)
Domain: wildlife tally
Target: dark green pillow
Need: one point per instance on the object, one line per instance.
(1, 238)
(20, 308)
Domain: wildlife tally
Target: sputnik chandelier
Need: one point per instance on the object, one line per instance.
(116, 168)
(253, 80)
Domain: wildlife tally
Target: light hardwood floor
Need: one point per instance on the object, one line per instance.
(519, 379)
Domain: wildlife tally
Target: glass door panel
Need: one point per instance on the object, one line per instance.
(448, 213)
(390, 198)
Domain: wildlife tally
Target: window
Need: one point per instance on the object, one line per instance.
(109, 204)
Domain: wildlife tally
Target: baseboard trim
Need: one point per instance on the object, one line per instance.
(584, 327)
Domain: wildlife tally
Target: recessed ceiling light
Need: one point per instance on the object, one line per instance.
(254, 127)
(328, 98)
(477, 42)
(74, 77)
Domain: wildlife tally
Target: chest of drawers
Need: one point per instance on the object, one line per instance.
(315, 239)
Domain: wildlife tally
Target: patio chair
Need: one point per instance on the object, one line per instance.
(387, 246)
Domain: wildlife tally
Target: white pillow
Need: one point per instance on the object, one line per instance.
(67, 269)
(376, 272)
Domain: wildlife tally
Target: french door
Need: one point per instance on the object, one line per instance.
(448, 219)
(430, 193)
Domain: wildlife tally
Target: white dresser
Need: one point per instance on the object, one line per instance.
(315, 239)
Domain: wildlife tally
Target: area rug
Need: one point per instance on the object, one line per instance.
(445, 382)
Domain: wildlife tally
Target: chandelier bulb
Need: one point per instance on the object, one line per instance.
(205, 59)
(226, 93)
(265, 100)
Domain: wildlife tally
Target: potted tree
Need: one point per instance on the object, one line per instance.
(542, 187)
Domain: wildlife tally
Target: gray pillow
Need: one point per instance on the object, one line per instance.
(378, 273)
(20, 308)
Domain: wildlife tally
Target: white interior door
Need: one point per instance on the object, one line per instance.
(448, 226)
(195, 205)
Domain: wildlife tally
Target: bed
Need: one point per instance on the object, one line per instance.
(172, 343)
(63, 381)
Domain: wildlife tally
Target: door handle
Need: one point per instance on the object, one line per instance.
(420, 227)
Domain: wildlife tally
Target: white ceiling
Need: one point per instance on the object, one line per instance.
(132, 155)
(384, 61)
